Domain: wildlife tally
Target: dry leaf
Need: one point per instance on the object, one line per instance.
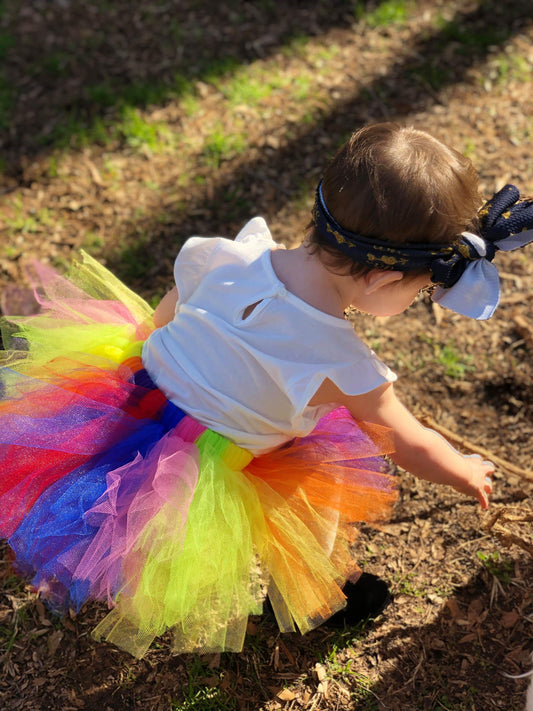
(509, 619)
(286, 695)
(53, 641)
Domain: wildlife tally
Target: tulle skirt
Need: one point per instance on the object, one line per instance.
(110, 492)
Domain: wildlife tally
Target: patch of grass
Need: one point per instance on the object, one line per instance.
(93, 242)
(406, 586)
(26, 223)
(339, 667)
(143, 93)
(8, 636)
(443, 701)
(52, 162)
(455, 364)
(326, 53)
(510, 66)
(500, 568)
(202, 691)
(185, 92)
(254, 84)
(73, 132)
(141, 134)
(302, 88)
(129, 127)
(296, 45)
(221, 145)
(213, 70)
(389, 12)
(15, 586)
(10, 252)
(245, 88)
(154, 300)
(119, 104)
(469, 148)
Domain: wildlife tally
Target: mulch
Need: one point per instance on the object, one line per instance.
(462, 616)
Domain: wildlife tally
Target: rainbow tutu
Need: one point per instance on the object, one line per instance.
(110, 492)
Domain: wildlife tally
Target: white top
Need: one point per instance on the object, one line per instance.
(251, 379)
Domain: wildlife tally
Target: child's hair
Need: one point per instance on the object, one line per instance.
(398, 184)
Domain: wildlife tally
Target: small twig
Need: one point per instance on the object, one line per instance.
(477, 449)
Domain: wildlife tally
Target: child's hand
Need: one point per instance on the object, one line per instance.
(477, 482)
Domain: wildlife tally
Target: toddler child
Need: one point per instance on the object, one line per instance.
(181, 464)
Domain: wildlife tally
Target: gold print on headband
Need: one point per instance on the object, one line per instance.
(388, 261)
(340, 239)
(464, 251)
(375, 253)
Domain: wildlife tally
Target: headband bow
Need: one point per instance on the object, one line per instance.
(468, 282)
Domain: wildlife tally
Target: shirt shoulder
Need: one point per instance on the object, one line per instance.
(201, 255)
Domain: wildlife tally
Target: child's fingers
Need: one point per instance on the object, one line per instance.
(489, 465)
(484, 493)
(483, 496)
(481, 479)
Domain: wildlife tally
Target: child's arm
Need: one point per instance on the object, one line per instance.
(164, 312)
(419, 450)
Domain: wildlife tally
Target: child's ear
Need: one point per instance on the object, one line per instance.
(377, 278)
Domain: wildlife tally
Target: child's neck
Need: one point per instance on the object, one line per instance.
(304, 275)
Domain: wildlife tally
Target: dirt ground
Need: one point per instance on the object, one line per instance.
(108, 115)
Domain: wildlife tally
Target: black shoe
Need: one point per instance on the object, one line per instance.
(366, 599)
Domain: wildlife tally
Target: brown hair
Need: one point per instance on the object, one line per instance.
(399, 184)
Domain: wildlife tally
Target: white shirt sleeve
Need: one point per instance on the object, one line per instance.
(192, 263)
(199, 254)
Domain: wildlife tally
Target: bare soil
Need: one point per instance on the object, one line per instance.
(463, 609)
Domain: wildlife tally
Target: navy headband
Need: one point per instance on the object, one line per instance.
(502, 217)
(371, 251)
